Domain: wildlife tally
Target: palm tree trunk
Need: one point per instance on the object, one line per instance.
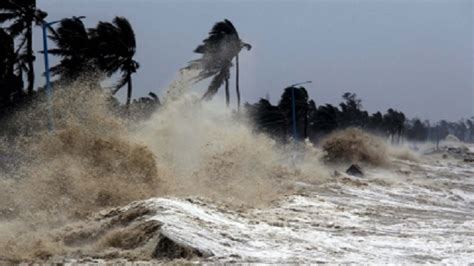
(31, 57)
(237, 89)
(129, 90)
(227, 95)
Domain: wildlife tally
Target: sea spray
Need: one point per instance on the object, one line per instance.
(180, 85)
(213, 154)
(353, 145)
(95, 159)
(53, 178)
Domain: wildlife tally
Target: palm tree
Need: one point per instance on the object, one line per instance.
(218, 51)
(116, 47)
(74, 46)
(7, 76)
(22, 14)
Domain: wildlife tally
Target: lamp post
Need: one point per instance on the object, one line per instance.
(293, 107)
(39, 16)
(49, 93)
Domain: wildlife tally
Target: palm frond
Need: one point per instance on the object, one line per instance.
(59, 52)
(216, 83)
(71, 35)
(56, 70)
(17, 27)
(116, 47)
(122, 81)
(73, 45)
(21, 45)
(6, 17)
(127, 35)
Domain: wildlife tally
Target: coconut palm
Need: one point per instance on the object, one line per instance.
(22, 14)
(116, 47)
(74, 46)
(11, 85)
(218, 51)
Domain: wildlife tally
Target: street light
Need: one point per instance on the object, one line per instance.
(49, 93)
(39, 16)
(293, 107)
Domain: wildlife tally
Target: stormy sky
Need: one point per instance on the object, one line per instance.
(415, 56)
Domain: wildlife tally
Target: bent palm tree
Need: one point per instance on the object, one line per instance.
(116, 47)
(218, 51)
(23, 13)
(74, 46)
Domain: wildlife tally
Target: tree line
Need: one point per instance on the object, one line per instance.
(314, 122)
(109, 49)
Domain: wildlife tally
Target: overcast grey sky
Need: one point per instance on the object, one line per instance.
(415, 56)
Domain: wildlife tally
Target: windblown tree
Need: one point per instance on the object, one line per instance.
(326, 118)
(394, 122)
(116, 46)
(218, 51)
(269, 119)
(352, 114)
(74, 46)
(22, 14)
(10, 84)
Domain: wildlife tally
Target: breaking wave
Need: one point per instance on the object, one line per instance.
(94, 159)
(353, 145)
